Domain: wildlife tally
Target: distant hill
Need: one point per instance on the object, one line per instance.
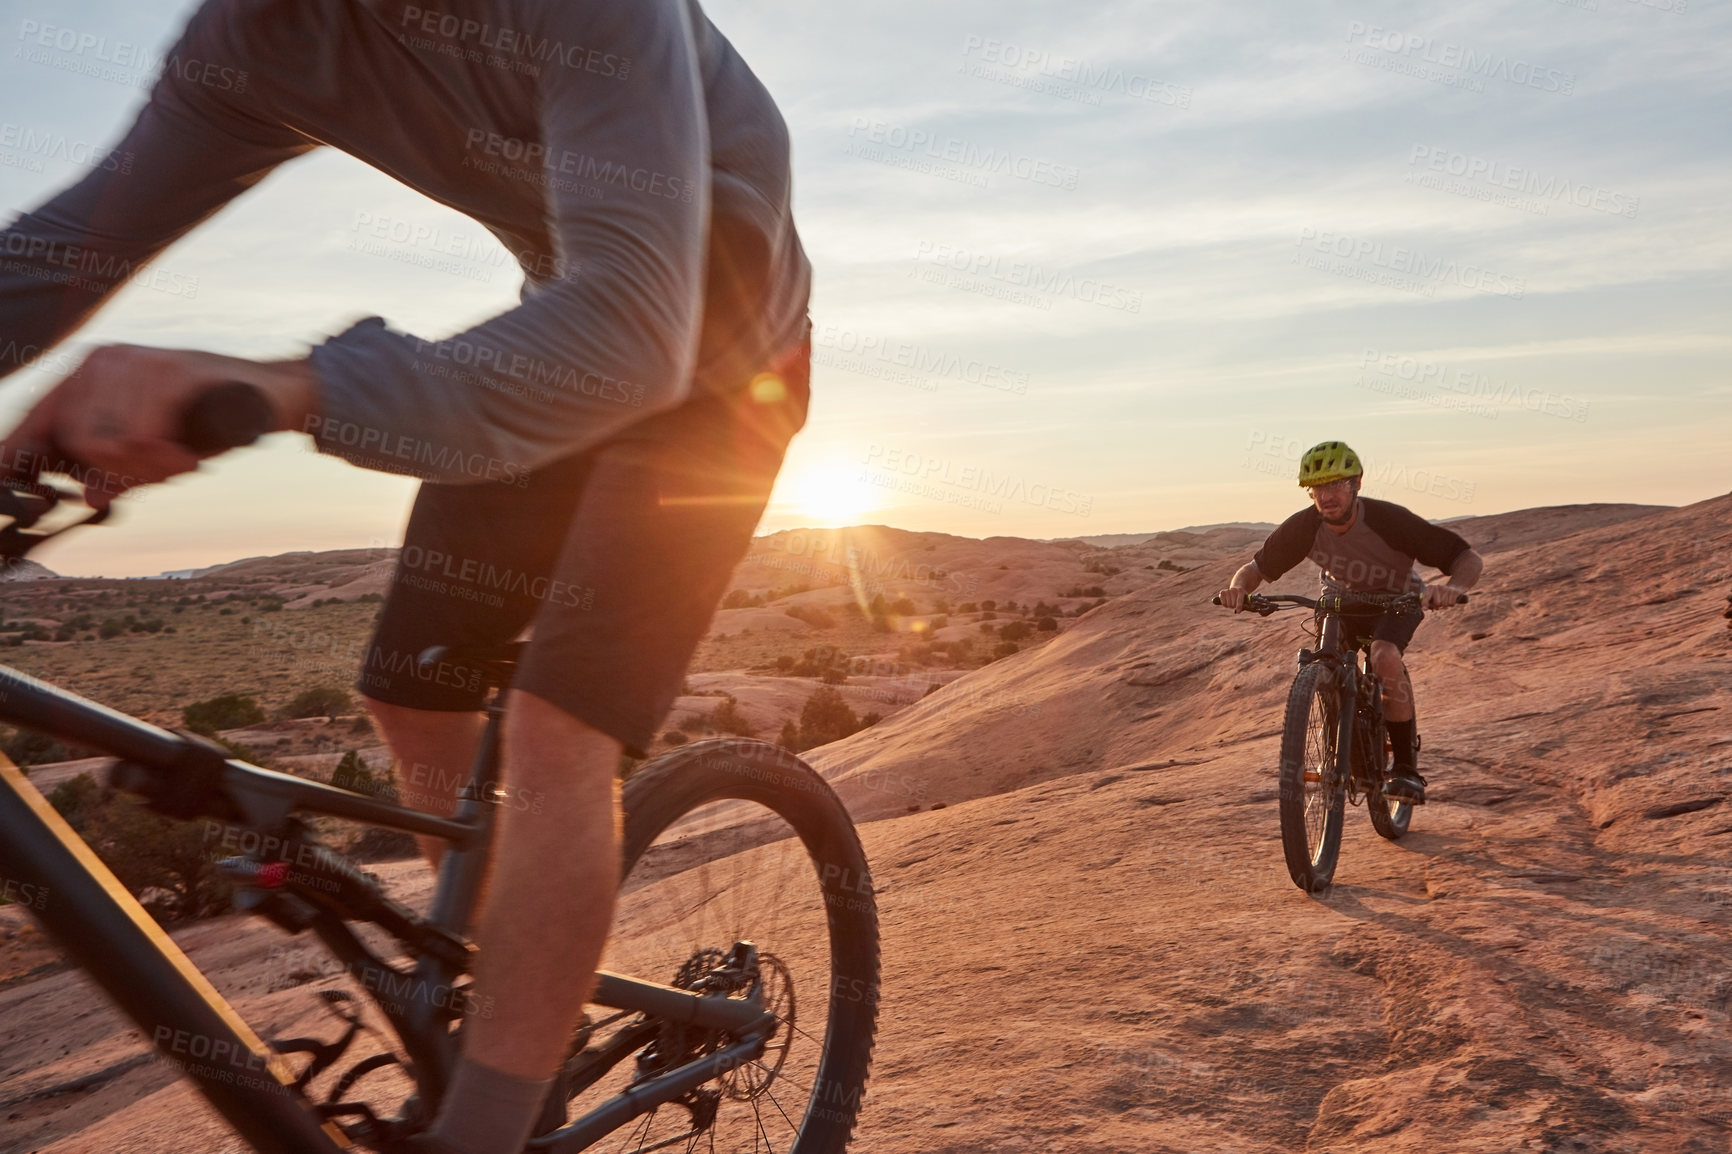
(1114, 540)
(25, 570)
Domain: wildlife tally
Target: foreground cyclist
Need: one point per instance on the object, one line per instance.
(1366, 546)
(600, 454)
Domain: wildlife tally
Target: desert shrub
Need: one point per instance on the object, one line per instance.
(675, 737)
(784, 663)
(1046, 625)
(727, 718)
(1004, 649)
(112, 628)
(168, 865)
(318, 701)
(833, 675)
(229, 711)
(1015, 631)
(790, 736)
(811, 615)
(1081, 591)
(26, 748)
(740, 599)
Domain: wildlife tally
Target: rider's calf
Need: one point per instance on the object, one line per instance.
(1397, 690)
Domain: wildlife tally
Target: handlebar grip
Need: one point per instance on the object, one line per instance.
(226, 416)
(1215, 600)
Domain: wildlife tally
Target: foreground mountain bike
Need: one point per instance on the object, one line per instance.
(1333, 745)
(746, 912)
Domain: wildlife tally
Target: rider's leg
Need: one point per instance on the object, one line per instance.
(549, 904)
(1392, 672)
(435, 753)
(1398, 718)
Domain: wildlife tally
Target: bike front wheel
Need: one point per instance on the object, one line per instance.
(1313, 777)
(736, 841)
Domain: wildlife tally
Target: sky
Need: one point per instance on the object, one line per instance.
(1078, 269)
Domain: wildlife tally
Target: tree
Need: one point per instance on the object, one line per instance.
(229, 711)
(825, 717)
(1015, 631)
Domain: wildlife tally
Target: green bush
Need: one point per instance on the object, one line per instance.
(319, 701)
(229, 711)
(1046, 625)
(1015, 631)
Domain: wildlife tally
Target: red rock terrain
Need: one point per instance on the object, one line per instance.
(1093, 945)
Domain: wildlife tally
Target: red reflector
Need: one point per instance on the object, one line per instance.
(273, 874)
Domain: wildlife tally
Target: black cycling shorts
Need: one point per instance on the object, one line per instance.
(614, 559)
(1397, 628)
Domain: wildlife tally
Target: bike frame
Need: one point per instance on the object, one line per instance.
(112, 938)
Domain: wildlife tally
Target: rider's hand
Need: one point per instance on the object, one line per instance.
(1233, 598)
(1441, 595)
(119, 411)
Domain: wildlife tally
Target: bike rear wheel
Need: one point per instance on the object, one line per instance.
(739, 841)
(1313, 777)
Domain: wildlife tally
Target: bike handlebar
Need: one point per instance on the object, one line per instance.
(225, 416)
(1262, 605)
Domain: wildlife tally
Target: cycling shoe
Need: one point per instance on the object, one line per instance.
(1405, 785)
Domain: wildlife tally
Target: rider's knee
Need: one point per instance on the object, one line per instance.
(1386, 659)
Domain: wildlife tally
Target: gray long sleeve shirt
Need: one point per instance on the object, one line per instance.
(620, 149)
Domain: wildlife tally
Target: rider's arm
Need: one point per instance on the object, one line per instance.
(624, 168)
(1464, 574)
(176, 166)
(1248, 578)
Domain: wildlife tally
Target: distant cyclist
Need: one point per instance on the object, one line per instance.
(1366, 546)
(598, 455)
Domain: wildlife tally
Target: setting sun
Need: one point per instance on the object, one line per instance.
(829, 493)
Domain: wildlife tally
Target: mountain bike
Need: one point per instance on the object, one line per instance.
(740, 998)
(1334, 747)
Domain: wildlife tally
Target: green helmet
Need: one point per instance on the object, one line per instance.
(1330, 461)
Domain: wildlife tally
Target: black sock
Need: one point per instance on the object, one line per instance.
(1401, 737)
